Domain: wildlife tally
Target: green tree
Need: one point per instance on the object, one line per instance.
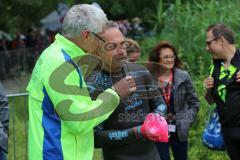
(19, 15)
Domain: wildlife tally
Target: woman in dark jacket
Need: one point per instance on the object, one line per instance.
(179, 94)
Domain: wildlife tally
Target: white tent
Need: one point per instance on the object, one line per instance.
(5, 35)
(53, 20)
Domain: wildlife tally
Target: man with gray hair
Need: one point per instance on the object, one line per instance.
(61, 113)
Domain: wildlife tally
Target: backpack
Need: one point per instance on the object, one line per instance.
(212, 136)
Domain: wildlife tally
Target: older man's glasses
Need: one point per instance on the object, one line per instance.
(110, 46)
(208, 43)
(100, 38)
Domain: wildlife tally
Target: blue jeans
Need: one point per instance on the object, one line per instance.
(179, 148)
(3, 155)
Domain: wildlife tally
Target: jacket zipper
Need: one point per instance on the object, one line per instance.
(76, 148)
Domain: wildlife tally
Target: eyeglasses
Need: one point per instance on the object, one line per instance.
(98, 37)
(165, 58)
(110, 46)
(208, 43)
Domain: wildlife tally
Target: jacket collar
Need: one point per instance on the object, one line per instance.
(235, 60)
(179, 76)
(72, 49)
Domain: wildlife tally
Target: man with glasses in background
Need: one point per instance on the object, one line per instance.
(223, 84)
(125, 135)
(61, 113)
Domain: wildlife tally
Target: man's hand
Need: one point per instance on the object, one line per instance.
(125, 86)
(209, 83)
(238, 77)
(154, 128)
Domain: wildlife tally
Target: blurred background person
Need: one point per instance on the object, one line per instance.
(179, 94)
(133, 51)
(4, 120)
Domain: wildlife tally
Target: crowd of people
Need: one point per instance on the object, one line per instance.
(133, 28)
(19, 54)
(104, 99)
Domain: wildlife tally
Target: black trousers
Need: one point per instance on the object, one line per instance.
(180, 149)
(232, 141)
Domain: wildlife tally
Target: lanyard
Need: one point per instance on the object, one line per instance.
(167, 89)
(167, 92)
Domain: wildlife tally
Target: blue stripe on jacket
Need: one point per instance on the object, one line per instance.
(52, 148)
(69, 60)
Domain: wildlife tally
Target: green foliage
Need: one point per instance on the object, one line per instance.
(19, 15)
(184, 25)
(116, 9)
(158, 18)
(126, 9)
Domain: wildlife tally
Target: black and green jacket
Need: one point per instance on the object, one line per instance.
(229, 105)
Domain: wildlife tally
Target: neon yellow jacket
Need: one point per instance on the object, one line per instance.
(61, 113)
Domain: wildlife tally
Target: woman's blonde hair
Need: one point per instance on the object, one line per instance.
(134, 46)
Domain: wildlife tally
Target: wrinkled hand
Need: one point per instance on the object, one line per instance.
(155, 128)
(238, 77)
(209, 83)
(125, 86)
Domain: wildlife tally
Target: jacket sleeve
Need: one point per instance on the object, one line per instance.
(155, 99)
(71, 100)
(4, 111)
(209, 96)
(113, 138)
(192, 99)
(4, 118)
